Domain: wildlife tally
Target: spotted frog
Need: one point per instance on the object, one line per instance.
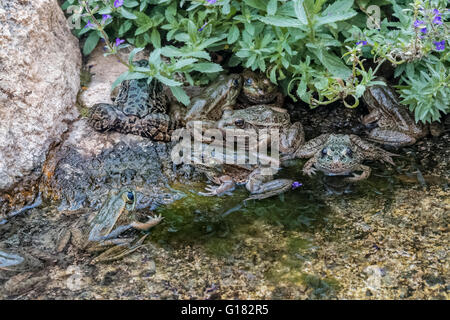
(138, 108)
(259, 117)
(339, 154)
(255, 171)
(258, 89)
(99, 230)
(395, 124)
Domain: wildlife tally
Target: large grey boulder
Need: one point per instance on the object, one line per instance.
(40, 62)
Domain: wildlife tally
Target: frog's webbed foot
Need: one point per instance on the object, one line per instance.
(309, 168)
(120, 250)
(227, 185)
(270, 189)
(151, 222)
(390, 137)
(358, 177)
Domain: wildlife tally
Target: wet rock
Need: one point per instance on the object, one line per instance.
(39, 82)
(89, 164)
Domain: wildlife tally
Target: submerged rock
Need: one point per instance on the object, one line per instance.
(39, 81)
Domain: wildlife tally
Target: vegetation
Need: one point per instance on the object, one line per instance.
(318, 51)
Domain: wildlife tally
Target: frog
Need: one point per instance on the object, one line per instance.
(98, 231)
(258, 89)
(214, 99)
(138, 108)
(395, 123)
(257, 173)
(258, 117)
(339, 154)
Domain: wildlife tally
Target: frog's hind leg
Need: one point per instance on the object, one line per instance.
(104, 117)
(261, 185)
(390, 137)
(120, 250)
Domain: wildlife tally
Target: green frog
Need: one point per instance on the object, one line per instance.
(259, 117)
(339, 154)
(395, 124)
(139, 108)
(257, 173)
(258, 89)
(99, 230)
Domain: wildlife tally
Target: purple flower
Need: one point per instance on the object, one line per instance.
(211, 1)
(363, 42)
(296, 184)
(118, 3)
(440, 45)
(89, 25)
(424, 30)
(417, 23)
(436, 12)
(203, 26)
(119, 42)
(437, 20)
(105, 17)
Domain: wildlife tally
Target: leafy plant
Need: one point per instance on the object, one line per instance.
(316, 50)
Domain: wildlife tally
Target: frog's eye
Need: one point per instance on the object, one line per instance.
(348, 152)
(324, 152)
(239, 122)
(130, 196)
(248, 81)
(236, 82)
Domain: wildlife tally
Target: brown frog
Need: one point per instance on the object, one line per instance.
(395, 124)
(339, 154)
(258, 89)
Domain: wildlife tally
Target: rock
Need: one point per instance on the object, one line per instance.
(39, 81)
(90, 164)
(104, 71)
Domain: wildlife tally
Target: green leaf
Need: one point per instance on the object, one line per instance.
(180, 95)
(280, 21)
(125, 27)
(167, 81)
(258, 4)
(91, 43)
(335, 17)
(184, 62)
(133, 53)
(142, 29)
(207, 67)
(120, 79)
(300, 11)
(272, 7)
(127, 14)
(332, 63)
(233, 34)
(156, 38)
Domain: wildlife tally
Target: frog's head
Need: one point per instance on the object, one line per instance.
(257, 88)
(337, 157)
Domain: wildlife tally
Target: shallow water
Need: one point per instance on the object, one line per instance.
(384, 237)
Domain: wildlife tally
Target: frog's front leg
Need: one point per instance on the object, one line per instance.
(371, 117)
(261, 184)
(227, 185)
(292, 138)
(308, 149)
(103, 116)
(357, 177)
(309, 168)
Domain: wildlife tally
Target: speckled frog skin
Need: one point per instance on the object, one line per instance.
(395, 124)
(340, 154)
(257, 89)
(138, 109)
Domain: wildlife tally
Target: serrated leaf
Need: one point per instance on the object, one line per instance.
(207, 67)
(180, 95)
(167, 81)
(184, 62)
(300, 11)
(280, 21)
